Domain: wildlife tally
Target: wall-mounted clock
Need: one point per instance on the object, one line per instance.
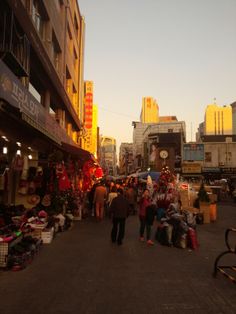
(164, 154)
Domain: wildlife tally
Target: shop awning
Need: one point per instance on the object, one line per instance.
(76, 152)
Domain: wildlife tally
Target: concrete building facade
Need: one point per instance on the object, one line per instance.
(108, 159)
(213, 158)
(54, 31)
(41, 75)
(126, 159)
(138, 139)
(162, 145)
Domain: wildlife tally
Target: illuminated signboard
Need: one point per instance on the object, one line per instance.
(193, 152)
(88, 106)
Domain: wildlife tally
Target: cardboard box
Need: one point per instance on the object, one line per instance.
(205, 209)
(47, 235)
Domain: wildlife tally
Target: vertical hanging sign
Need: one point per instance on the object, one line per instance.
(88, 106)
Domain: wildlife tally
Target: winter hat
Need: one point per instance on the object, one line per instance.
(46, 201)
(42, 214)
(33, 199)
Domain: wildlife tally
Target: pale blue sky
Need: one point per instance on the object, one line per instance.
(181, 52)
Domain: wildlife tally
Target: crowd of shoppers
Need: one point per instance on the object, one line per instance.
(117, 200)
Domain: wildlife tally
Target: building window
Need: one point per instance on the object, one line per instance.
(76, 25)
(228, 156)
(56, 52)
(69, 40)
(68, 82)
(74, 98)
(75, 60)
(38, 18)
(207, 156)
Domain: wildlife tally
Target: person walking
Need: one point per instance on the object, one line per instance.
(119, 209)
(145, 217)
(111, 195)
(99, 200)
(131, 197)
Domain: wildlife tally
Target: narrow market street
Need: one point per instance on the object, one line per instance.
(81, 271)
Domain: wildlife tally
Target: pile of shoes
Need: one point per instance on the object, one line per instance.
(22, 254)
(8, 233)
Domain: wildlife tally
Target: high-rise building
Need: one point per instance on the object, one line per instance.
(108, 159)
(218, 120)
(233, 105)
(150, 111)
(167, 119)
(138, 138)
(200, 132)
(126, 159)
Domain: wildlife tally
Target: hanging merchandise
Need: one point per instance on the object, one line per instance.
(23, 187)
(71, 168)
(23, 184)
(38, 179)
(2, 182)
(24, 174)
(63, 180)
(31, 188)
(46, 201)
(33, 200)
(18, 163)
(98, 173)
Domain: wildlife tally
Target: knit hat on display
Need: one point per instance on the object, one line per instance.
(33, 199)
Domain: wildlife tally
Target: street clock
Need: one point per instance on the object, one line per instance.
(164, 154)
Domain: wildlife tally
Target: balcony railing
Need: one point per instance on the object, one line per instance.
(14, 45)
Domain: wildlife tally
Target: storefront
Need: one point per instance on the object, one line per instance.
(192, 171)
(31, 139)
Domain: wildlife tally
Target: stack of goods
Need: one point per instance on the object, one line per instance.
(9, 236)
(202, 203)
(166, 191)
(21, 254)
(177, 229)
(184, 194)
(16, 251)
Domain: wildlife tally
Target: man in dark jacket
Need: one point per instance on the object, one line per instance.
(119, 209)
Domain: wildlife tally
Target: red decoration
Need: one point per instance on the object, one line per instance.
(98, 172)
(63, 180)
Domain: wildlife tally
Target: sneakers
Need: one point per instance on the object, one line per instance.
(150, 242)
(141, 239)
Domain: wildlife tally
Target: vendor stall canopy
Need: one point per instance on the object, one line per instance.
(143, 175)
(77, 152)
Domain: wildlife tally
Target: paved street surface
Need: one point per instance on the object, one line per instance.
(82, 272)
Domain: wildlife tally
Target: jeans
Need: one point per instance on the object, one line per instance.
(118, 230)
(143, 225)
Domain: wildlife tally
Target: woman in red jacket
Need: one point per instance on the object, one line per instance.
(144, 203)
